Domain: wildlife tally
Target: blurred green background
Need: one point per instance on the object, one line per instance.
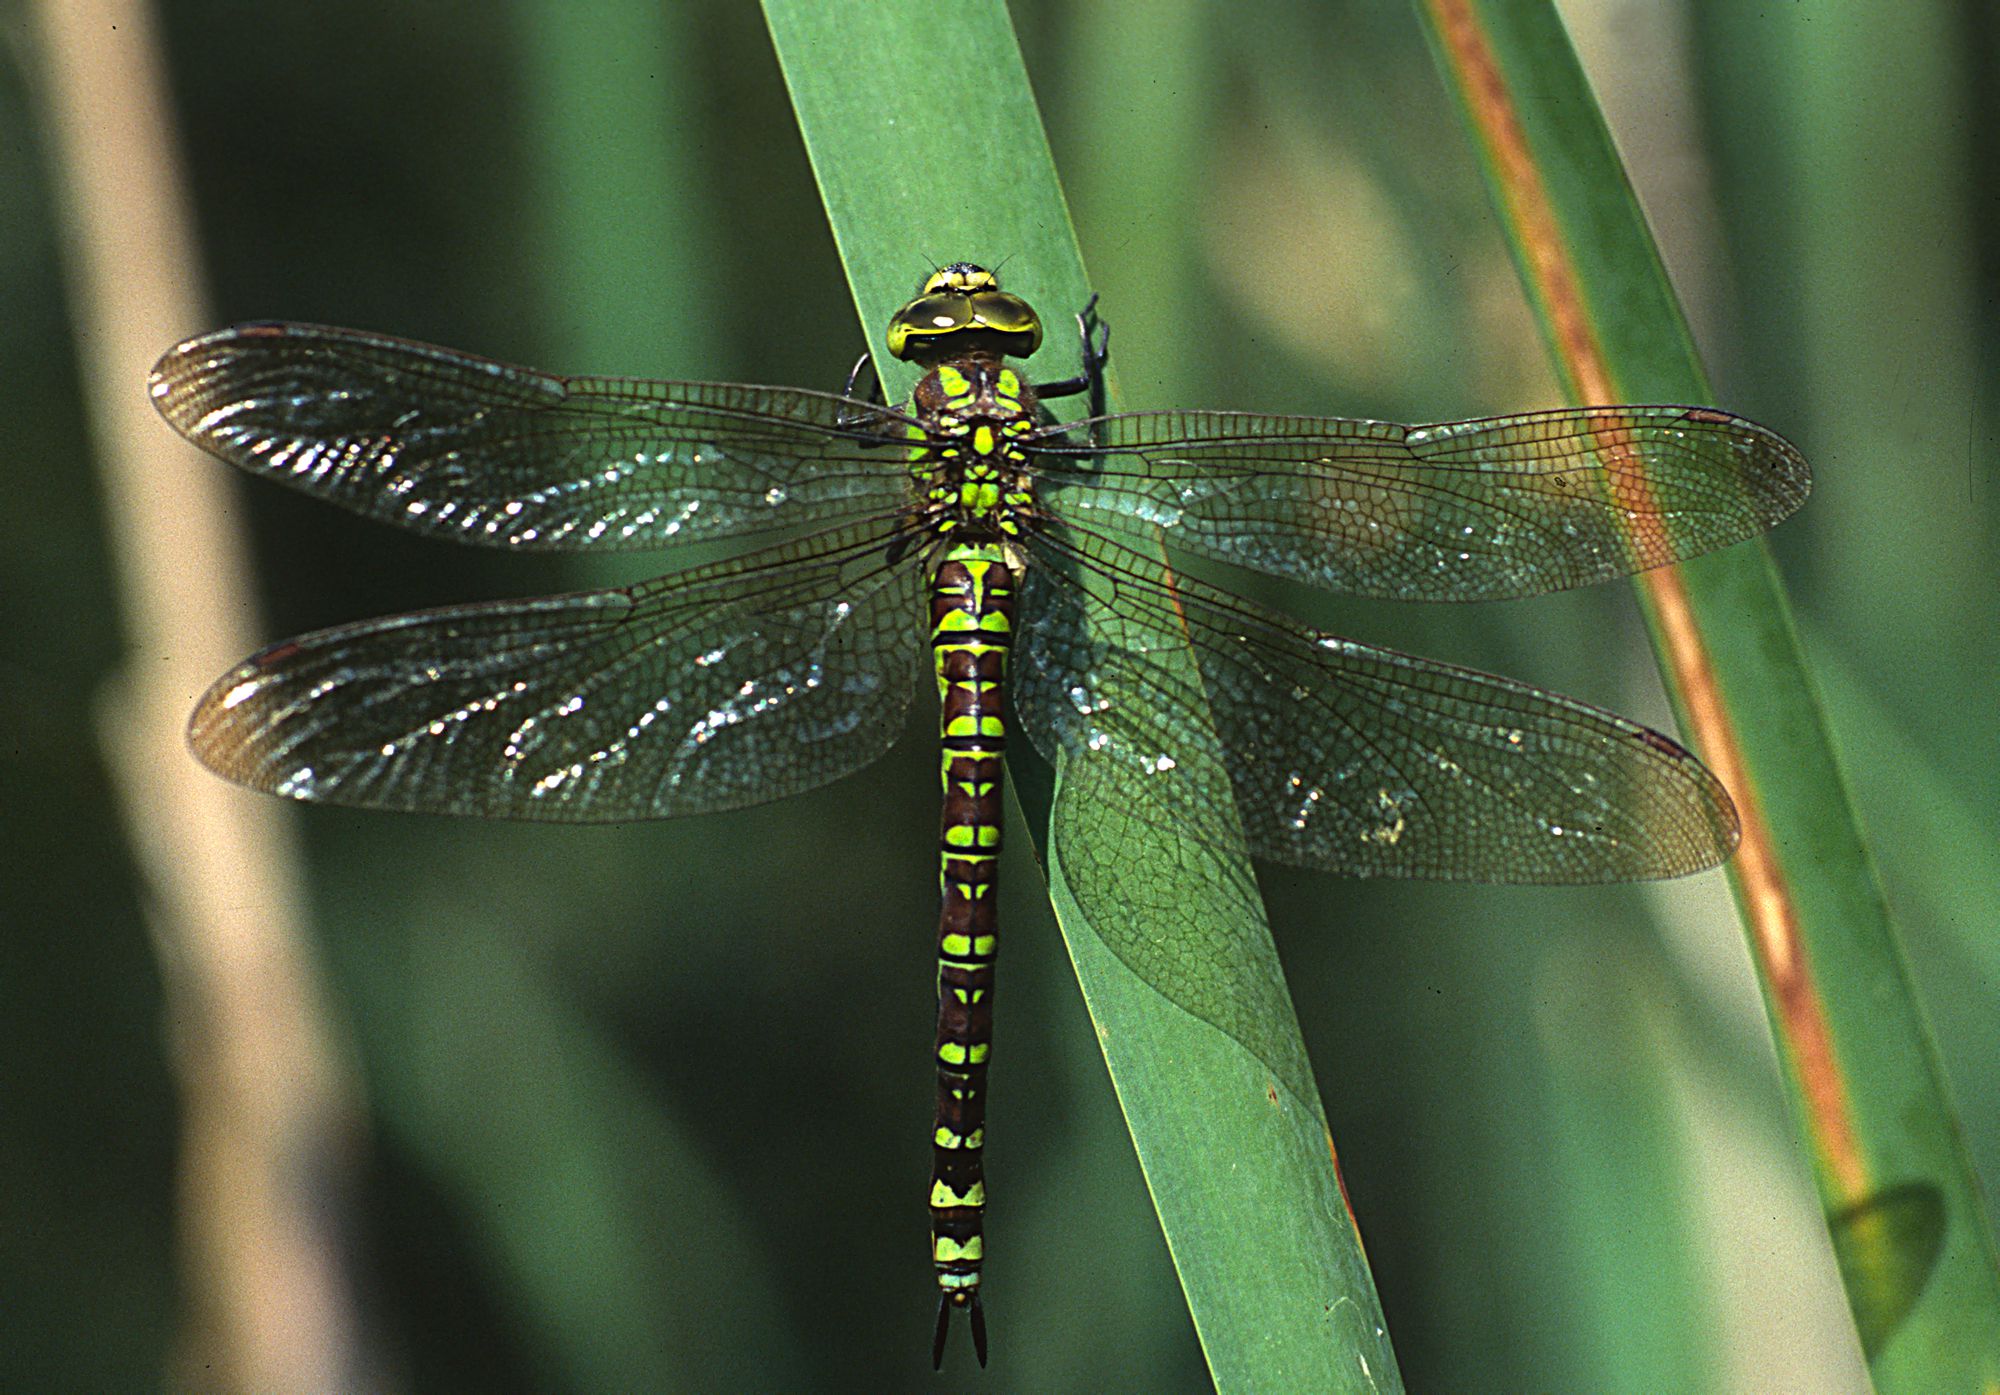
(648, 1105)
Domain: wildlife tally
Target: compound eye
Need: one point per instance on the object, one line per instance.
(962, 310)
(1010, 315)
(926, 318)
(938, 314)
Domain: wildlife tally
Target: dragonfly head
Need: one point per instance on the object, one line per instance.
(960, 309)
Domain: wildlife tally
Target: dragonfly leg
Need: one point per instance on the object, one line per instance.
(875, 397)
(1095, 337)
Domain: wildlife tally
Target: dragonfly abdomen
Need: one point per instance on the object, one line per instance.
(972, 610)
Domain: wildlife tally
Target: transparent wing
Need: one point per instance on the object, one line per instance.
(1210, 728)
(1457, 511)
(1344, 757)
(1189, 922)
(457, 446)
(713, 688)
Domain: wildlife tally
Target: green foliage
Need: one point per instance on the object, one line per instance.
(1903, 1210)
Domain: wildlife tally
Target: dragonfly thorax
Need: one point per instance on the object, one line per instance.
(972, 416)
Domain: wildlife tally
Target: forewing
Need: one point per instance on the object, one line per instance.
(708, 689)
(1457, 511)
(456, 446)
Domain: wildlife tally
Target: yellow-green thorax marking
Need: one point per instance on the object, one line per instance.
(970, 411)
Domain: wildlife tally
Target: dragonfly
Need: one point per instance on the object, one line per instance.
(970, 535)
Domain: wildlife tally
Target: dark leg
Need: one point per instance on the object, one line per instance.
(851, 418)
(1095, 336)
